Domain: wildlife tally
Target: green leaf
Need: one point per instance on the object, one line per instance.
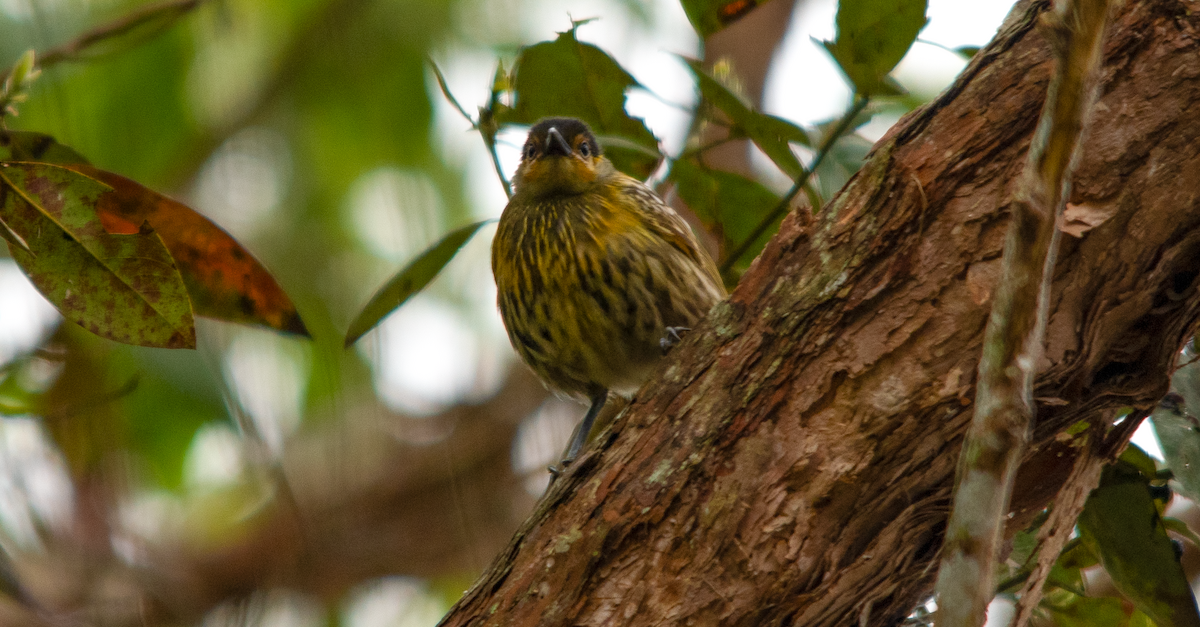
(967, 52)
(30, 146)
(1081, 611)
(1024, 546)
(566, 77)
(122, 287)
(23, 68)
(769, 133)
(412, 279)
(710, 16)
(872, 37)
(1180, 438)
(15, 397)
(725, 202)
(1012, 573)
(1140, 460)
(1121, 523)
(1077, 556)
(845, 159)
(1178, 430)
(1181, 528)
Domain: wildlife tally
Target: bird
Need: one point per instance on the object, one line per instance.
(596, 276)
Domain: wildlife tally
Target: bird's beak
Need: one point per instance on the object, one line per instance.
(555, 144)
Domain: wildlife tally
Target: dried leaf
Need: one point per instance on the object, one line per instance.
(1079, 219)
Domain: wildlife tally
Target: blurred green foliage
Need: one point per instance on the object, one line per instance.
(1122, 524)
(346, 89)
(344, 83)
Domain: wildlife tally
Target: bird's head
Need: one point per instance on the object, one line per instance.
(560, 156)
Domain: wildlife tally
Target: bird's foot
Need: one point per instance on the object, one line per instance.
(556, 471)
(671, 337)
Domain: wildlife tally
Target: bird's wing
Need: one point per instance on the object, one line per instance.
(669, 225)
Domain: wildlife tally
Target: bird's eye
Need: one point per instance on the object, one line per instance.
(585, 149)
(530, 151)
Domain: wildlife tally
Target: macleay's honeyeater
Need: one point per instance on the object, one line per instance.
(595, 274)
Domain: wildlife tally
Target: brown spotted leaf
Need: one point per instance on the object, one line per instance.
(224, 280)
(31, 146)
(122, 287)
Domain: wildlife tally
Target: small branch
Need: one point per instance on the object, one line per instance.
(860, 103)
(168, 10)
(441, 79)
(488, 126)
(485, 124)
(999, 432)
(698, 150)
(489, 140)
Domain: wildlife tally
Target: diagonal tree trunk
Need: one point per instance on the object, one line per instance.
(793, 462)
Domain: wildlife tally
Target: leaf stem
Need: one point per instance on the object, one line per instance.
(691, 152)
(860, 103)
(485, 124)
(488, 127)
(489, 140)
(441, 79)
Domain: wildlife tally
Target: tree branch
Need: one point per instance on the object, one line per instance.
(168, 11)
(1004, 405)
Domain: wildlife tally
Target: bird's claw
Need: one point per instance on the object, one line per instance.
(557, 471)
(671, 337)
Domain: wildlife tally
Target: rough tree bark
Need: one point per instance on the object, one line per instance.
(793, 462)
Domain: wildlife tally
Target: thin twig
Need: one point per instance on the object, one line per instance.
(691, 152)
(169, 9)
(488, 126)
(490, 142)
(441, 79)
(1004, 404)
(860, 103)
(485, 124)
